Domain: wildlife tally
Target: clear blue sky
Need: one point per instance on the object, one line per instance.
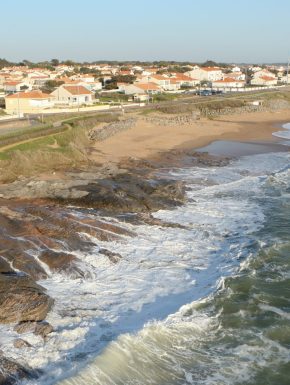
(194, 30)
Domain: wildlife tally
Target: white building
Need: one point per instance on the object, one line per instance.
(228, 83)
(16, 86)
(209, 74)
(264, 81)
(73, 95)
(263, 72)
(139, 88)
(28, 102)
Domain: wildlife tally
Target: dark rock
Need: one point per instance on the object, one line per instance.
(41, 328)
(129, 193)
(20, 343)
(11, 372)
(21, 299)
(62, 263)
(5, 266)
(25, 327)
(113, 257)
(26, 263)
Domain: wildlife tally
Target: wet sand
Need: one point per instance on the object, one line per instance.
(149, 141)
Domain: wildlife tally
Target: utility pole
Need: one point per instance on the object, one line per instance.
(18, 105)
(78, 98)
(148, 97)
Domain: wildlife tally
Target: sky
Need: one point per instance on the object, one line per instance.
(253, 31)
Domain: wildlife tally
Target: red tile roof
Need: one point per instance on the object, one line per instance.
(11, 83)
(209, 69)
(267, 78)
(77, 90)
(147, 86)
(181, 76)
(229, 80)
(29, 95)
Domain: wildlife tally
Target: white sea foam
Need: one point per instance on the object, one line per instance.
(161, 269)
(283, 134)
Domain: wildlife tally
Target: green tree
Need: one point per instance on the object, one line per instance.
(51, 85)
(54, 62)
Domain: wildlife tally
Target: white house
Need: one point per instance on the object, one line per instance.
(236, 69)
(28, 102)
(264, 81)
(92, 86)
(16, 86)
(209, 74)
(285, 79)
(228, 83)
(236, 75)
(184, 80)
(73, 94)
(263, 72)
(139, 88)
(160, 80)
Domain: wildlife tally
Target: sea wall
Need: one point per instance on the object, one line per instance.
(111, 129)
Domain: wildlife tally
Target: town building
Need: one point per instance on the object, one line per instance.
(72, 95)
(27, 102)
(208, 74)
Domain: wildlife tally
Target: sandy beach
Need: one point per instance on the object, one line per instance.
(146, 140)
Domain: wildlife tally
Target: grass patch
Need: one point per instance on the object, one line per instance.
(51, 149)
(147, 111)
(164, 97)
(55, 152)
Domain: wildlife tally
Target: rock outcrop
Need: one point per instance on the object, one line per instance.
(11, 372)
(21, 299)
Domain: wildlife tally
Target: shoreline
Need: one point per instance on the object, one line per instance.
(149, 142)
(39, 210)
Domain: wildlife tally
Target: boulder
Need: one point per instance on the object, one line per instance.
(21, 299)
(11, 372)
(20, 343)
(62, 263)
(41, 328)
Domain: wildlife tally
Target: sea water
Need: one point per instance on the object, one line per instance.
(205, 303)
(285, 134)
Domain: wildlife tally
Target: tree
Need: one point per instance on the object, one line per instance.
(5, 63)
(69, 63)
(210, 63)
(85, 70)
(124, 78)
(54, 62)
(111, 85)
(51, 85)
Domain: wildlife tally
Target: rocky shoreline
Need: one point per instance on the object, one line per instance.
(40, 233)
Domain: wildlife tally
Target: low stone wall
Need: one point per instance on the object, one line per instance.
(111, 129)
(210, 113)
(269, 105)
(173, 121)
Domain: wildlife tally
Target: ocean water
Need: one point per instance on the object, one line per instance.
(208, 303)
(285, 134)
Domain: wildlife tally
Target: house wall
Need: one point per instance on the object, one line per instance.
(63, 96)
(201, 74)
(262, 82)
(228, 84)
(16, 106)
